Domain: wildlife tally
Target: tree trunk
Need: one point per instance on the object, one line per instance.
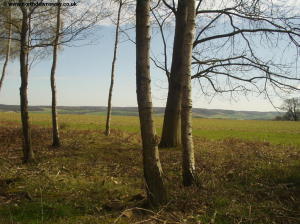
(188, 159)
(108, 117)
(7, 54)
(171, 136)
(24, 52)
(156, 191)
(55, 130)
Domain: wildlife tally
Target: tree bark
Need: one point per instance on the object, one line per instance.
(55, 130)
(171, 135)
(7, 54)
(155, 187)
(188, 159)
(24, 52)
(108, 117)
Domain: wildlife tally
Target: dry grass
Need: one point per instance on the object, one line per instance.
(97, 179)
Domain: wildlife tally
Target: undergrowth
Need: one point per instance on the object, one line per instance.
(98, 179)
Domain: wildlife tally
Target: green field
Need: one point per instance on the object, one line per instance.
(275, 132)
(248, 172)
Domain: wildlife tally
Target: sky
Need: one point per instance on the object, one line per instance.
(83, 78)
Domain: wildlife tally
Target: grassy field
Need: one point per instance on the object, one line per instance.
(249, 172)
(275, 132)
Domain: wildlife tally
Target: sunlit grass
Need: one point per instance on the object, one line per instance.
(275, 132)
(93, 179)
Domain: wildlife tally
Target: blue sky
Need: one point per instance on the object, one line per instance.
(83, 77)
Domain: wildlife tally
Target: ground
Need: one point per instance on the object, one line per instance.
(248, 172)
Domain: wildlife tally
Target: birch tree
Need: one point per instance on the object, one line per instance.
(155, 187)
(24, 71)
(188, 158)
(35, 37)
(171, 126)
(73, 29)
(227, 55)
(55, 130)
(8, 48)
(117, 32)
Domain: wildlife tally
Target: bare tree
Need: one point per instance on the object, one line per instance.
(171, 126)
(8, 47)
(72, 30)
(250, 42)
(188, 158)
(108, 117)
(233, 52)
(36, 35)
(24, 27)
(152, 168)
(24, 67)
(55, 131)
(292, 108)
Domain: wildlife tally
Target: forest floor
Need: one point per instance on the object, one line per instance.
(93, 179)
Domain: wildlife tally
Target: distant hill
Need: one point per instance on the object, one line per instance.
(133, 111)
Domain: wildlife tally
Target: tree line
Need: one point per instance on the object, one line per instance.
(291, 108)
(227, 46)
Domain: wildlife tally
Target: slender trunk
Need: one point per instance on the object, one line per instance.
(188, 159)
(55, 131)
(108, 118)
(171, 136)
(295, 112)
(24, 52)
(156, 191)
(7, 54)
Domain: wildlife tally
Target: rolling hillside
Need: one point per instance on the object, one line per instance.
(132, 111)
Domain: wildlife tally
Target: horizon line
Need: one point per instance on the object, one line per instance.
(49, 105)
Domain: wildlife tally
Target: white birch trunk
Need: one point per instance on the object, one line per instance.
(155, 188)
(188, 159)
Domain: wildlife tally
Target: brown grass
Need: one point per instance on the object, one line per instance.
(98, 179)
